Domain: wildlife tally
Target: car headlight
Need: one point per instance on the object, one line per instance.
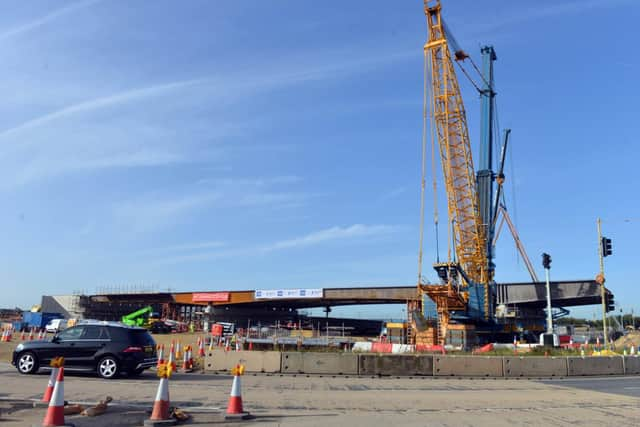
(19, 347)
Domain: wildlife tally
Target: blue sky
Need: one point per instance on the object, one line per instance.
(239, 145)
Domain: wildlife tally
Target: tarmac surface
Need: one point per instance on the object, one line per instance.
(302, 400)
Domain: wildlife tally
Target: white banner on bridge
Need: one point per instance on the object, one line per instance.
(288, 293)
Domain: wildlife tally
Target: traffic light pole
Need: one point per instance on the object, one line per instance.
(602, 290)
(549, 317)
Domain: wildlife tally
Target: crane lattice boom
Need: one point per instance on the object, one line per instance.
(449, 120)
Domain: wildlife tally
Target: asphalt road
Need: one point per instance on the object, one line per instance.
(352, 401)
(626, 386)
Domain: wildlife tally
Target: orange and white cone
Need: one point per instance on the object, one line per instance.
(23, 335)
(4, 336)
(172, 358)
(55, 412)
(178, 352)
(250, 345)
(31, 334)
(160, 349)
(201, 348)
(190, 357)
(234, 407)
(185, 360)
(211, 344)
(161, 404)
(56, 364)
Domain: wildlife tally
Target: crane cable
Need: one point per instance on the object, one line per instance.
(422, 180)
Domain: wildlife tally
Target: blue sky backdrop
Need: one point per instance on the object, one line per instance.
(206, 145)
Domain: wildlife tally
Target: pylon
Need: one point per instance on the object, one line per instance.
(190, 357)
(160, 355)
(23, 335)
(211, 344)
(31, 334)
(172, 358)
(178, 350)
(201, 348)
(234, 408)
(185, 360)
(9, 334)
(250, 345)
(632, 351)
(227, 345)
(4, 335)
(55, 364)
(161, 403)
(55, 411)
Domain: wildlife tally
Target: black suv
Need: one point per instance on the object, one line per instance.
(106, 347)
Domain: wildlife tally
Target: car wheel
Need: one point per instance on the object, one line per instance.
(27, 363)
(108, 367)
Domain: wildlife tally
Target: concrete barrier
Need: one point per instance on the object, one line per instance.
(291, 362)
(598, 365)
(467, 366)
(254, 361)
(320, 363)
(372, 364)
(631, 365)
(534, 366)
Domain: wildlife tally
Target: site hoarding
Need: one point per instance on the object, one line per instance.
(288, 293)
(211, 297)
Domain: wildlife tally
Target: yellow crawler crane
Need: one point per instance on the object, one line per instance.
(449, 129)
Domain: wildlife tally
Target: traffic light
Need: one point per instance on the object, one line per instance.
(610, 303)
(546, 261)
(606, 246)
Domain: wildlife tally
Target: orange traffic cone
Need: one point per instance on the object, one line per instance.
(4, 335)
(250, 345)
(211, 344)
(55, 412)
(190, 357)
(172, 358)
(185, 360)
(31, 334)
(201, 348)
(178, 352)
(161, 404)
(23, 335)
(160, 355)
(234, 408)
(56, 364)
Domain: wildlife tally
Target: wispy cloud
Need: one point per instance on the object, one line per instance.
(332, 234)
(98, 103)
(555, 9)
(186, 247)
(38, 22)
(148, 213)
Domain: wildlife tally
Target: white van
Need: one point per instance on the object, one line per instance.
(56, 325)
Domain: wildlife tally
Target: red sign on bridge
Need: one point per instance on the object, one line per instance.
(211, 297)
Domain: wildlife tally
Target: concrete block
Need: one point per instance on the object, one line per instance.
(372, 364)
(596, 365)
(320, 363)
(291, 362)
(330, 363)
(253, 361)
(631, 365)
(467, 366)
(533, 366)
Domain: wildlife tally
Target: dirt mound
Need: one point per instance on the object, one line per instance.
(632, 338)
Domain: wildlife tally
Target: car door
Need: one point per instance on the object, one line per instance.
(65, 345)
(91, 342)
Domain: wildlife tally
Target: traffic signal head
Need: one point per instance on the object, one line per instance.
(546, 261)
(610, 303)
(606, 246)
